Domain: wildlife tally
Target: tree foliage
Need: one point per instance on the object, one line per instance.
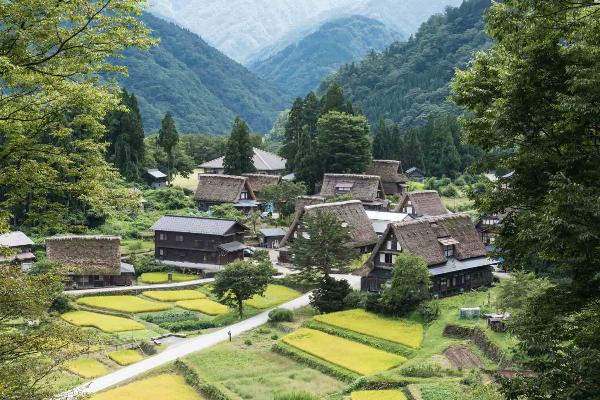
(532, 101)
(283, 195)
(52, 106)
(330, 295)
(167, 140)
(180, 163)
(241, 280)
(408, 287)
(239, 152)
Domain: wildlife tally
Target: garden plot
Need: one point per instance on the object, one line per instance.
(274, 295)
(462, 357)
(125, 357)
(106, 323)
(378, 395)
(162, 277)
(160, 387)
(174, 295)
(407, 333)
(205, 306)
(353, 356)
(126, 304)
(87, 367)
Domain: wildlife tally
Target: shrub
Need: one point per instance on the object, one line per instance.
(61, 304)
(449, 191)
(190, 325)
(295, 396)
(429, 311)
(427, 370)
(172, 316)
(373, 303)
(281, 315)
(248, 342)
(148, 348)
(355, 299)
(330, 295)
(274, 336)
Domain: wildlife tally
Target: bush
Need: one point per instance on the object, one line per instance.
(190, 325)
(330, 295)
(429, 311)
(274, 336)
(281, 315)
(373, 303)
(148, 348)
(423, 371)
(167, 199)
(146, 263)
(248, 342)
(295, 396)
(173, 316)
(449, 191)
(355, 299)
(61, 304)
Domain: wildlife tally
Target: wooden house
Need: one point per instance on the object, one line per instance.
(415, 174)
(366, 188)
(394, 181)
(198, 243)
(270, 238)
(264, 163)
(426, 203)
(488, 227)
(259, 181)
(93, 261)
(449, 245)
(215, 189)
(20, 248)
(155, 178)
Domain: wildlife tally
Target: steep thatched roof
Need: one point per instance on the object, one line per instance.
(387, 170)
(361, 187)
(97, 255)
(259, 181)
(425, 203)
(303, 201)
(222, 188)
(351, 213)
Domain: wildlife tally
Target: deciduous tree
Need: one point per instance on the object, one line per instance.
(409, 285)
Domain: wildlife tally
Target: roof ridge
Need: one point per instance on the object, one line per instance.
(261, 157)
(337, 203)
(198, 217)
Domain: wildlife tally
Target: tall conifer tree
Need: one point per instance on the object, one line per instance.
(239, 152)
(167, 139)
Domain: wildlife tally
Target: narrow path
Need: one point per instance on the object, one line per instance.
(178, 350)
(176, 285)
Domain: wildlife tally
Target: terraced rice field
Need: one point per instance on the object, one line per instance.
(351, 355)
(86, 368)
(274, 295)
(127, 304)
(174, 295)
(205, 306)
(398, 331)
(125, 357)
(162, 277)
(378, 395)
(160, 387)
(106, 323)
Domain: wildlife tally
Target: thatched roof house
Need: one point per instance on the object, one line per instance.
(391, 175)
(418, 204)
(214, 189)
(264, 162)
(350, 213)
(97, 255)
(449, 244)
(366, 188)
(259, 181)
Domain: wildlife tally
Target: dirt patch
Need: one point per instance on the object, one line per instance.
(441, 360)
(462, 357)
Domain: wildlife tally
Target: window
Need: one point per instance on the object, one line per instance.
(179, 238)
(162, 236)
(388, 245)
(449, 251)
(398, 247)
(161, 252)
(389, 258)
(244, 196)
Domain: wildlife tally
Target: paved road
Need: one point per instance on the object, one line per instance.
(178, 350)
(138, 287)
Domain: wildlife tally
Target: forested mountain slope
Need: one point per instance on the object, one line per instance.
(203, 88)
(408, 81)
(300, 67)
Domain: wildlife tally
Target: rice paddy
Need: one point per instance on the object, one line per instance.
(86, 367)
(174, 295)
(351, 355)
(274, 295)
(160, 387)
(398, 331)
(125, 357)
(162, 277)
(205, 306)
(126, 304)
(106, 323)
(378, 395)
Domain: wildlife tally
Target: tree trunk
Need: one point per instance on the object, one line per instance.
(240, 307)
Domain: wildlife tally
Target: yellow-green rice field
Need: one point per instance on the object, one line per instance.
(205, 306)
(174, 295)
(378, 395)
(351, 355)
(160, 387)
(274, 295)
(106, 323)
(127, 304)
(125, 357)
(399, 331)
(86, 367)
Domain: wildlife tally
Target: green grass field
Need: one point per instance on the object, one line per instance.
(353, 356)
(205, 306)
(378, 395)
(273, 296)
(86, 367)
(160, 387)
(162, 277)
(174, 295)
(106, 323)
(399, 331)
(125, 357)
(127, 304)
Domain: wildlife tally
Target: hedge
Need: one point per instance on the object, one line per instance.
(188, 325)
(315, 362)
(371, 341)
(210, 391)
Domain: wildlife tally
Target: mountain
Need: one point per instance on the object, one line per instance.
(243, 29)
(300, 67)
(203, 88)
(409, 81)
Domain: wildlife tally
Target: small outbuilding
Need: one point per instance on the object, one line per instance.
(415, 174)
(20, 245)
(155, 178)
(271, 237)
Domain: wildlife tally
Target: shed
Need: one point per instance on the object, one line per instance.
(155, 178)
(271, 237)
